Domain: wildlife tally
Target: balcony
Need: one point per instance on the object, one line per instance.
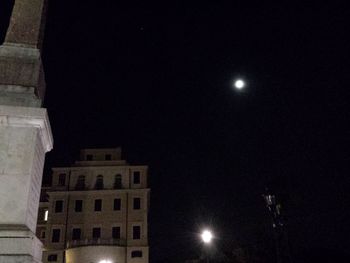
(96, 242)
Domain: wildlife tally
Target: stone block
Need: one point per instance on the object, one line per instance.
(21, 72)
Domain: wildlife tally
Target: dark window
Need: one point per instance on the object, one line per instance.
(117, 204)
(80, 183)
(62, 179)
(59, 206)
(96, 232)
(108, 157)
(137, 203)
(78, 206)
(116, 232)
(136, 177)
(136, 254)
(43, 234)
(99, 182)
(89, 157)
(136, 232)
(118, 181)
(52, 257)
(98, 204)
(56, 235)
(76, 234)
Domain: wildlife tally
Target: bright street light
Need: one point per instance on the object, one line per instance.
(239, 84)
(206, 236)
(105, 261)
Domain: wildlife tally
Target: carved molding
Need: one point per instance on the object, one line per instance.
(28, 117)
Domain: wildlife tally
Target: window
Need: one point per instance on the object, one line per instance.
(136, 177)
(98, 204)
(116, 232)
(96, 232)
(99, 182)
(76, 234)
(62, 179)
(46, 215)
(52, 257)
(136, 254)
(117, 204)
(108, 157)
(78, 206)
(137, 203)
(118, 181)
(56, 235)
(43, 234)
(59, 206)
(80, 183)
(89, 157)
(136, 232)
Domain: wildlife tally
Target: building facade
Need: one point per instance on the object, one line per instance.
(95, 210)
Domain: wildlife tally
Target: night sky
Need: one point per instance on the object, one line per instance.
(156, 79)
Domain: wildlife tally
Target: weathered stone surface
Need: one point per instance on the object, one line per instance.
(19, 245)
(25, 137)
(27, 23)
(25, 133)
(22, 78)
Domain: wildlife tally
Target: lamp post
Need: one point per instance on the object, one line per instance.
(207, 237)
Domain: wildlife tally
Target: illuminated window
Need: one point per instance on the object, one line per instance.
(46, 215)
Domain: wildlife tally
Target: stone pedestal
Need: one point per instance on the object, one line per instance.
(22, 78)
(25, 137)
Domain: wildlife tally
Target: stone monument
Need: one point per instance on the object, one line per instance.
(25, 133)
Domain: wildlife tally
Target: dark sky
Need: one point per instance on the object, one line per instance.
(156, 79)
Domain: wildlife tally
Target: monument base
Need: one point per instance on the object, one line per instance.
(19, 245)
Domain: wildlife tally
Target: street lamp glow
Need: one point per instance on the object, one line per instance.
(105, 261)
(207, 236)
(239, 84)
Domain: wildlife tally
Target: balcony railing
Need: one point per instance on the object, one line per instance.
(96, 242)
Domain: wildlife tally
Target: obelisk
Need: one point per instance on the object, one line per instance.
(25, 133)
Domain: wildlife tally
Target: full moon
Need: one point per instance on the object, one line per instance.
(239, 84)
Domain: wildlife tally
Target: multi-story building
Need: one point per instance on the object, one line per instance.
(95, 211)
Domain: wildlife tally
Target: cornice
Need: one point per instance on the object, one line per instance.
(28, 117)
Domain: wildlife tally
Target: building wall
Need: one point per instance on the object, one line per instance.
(64, 192)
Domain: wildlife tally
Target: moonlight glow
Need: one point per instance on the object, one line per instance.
(239, 84)
(207, 236)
